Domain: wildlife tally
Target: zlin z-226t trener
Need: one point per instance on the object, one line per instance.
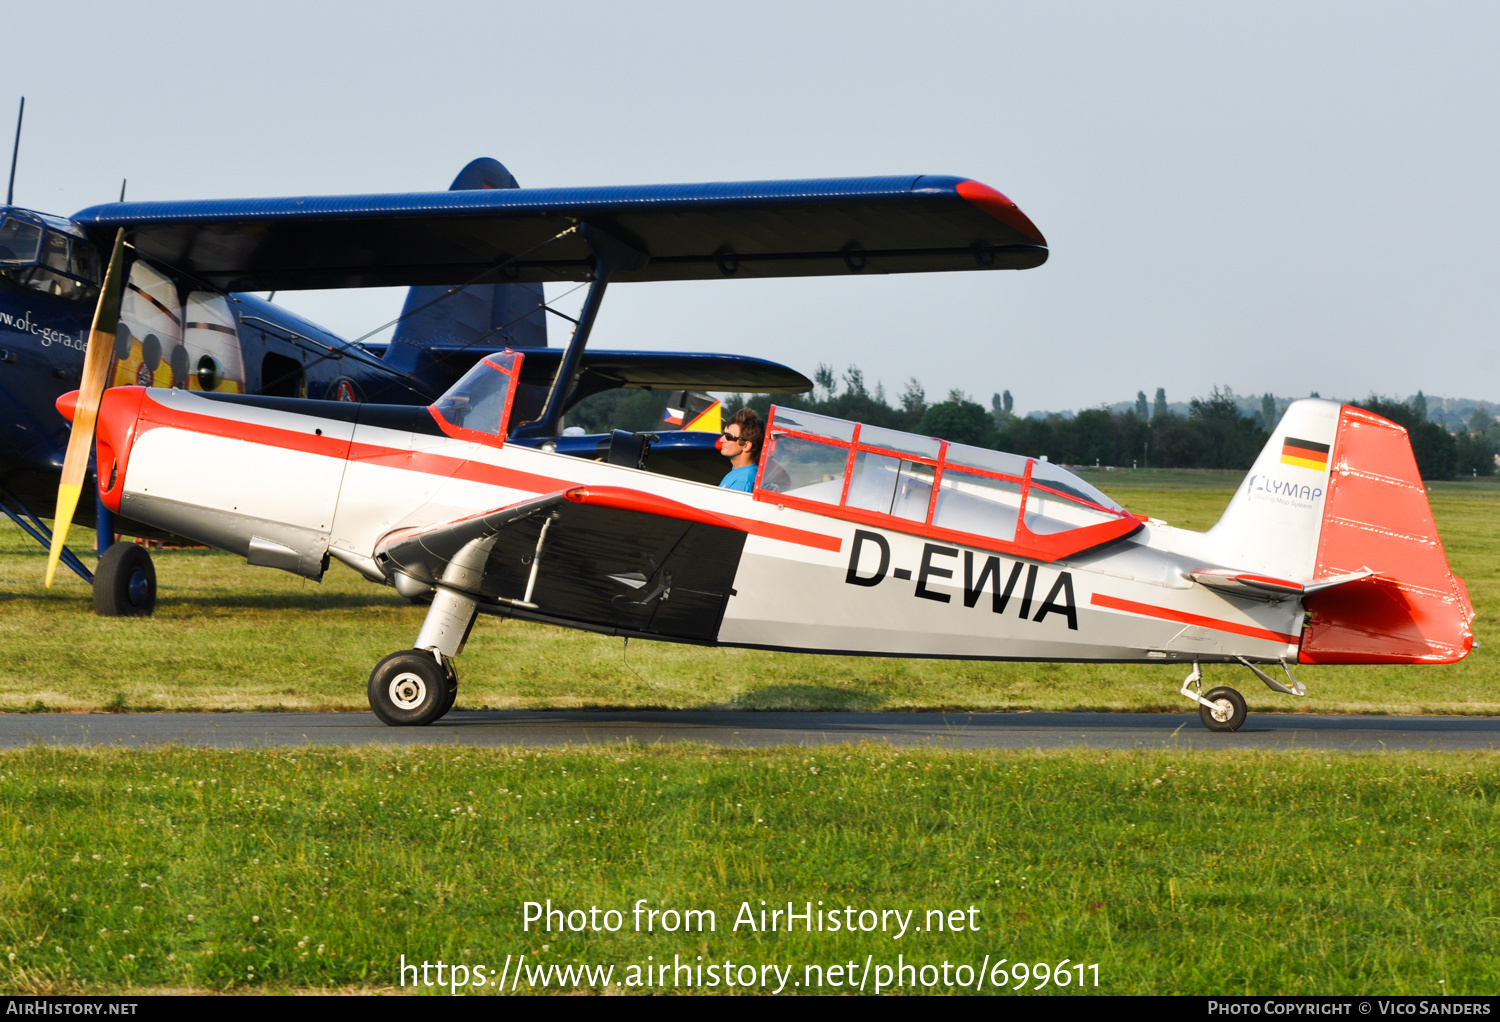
(856, 539)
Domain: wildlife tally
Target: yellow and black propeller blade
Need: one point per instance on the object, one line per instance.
(90, 392)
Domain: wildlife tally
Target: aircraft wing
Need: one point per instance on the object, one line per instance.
(691, 232)
(667, 370)
(611, 559)
(641, 370)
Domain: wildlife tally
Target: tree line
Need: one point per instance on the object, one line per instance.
(1216, 432)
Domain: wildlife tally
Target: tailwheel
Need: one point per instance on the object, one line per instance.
(125, 582)
(1225, 710)
(411, 688)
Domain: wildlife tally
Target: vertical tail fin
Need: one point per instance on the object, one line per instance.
(486, 316)
(1335, 493)
(690, 410)
(1272, 525)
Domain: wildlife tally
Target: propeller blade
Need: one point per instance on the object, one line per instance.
(86, 409)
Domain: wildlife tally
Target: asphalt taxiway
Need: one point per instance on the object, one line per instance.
(751, 728)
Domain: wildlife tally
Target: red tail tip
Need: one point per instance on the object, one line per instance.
(67, 404)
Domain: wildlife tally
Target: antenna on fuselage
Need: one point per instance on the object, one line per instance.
(10, 192)
(123, 182)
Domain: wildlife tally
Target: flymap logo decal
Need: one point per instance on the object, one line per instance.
(1283, 491)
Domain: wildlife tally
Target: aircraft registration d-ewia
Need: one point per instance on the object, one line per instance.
(855, 540)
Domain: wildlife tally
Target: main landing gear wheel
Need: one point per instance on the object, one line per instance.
(125, 582)
(1228, 712)
(410, 688)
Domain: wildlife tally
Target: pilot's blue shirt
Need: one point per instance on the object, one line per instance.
(740, 479)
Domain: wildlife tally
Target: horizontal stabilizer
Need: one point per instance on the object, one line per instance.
(1338, 580)
(1254, 587)
(1260, 587)
(838, 226)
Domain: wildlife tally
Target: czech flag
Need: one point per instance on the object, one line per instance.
(690, 410)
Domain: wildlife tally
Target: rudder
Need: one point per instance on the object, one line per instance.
(1414, 609)
(1337, 493)
(486, 316)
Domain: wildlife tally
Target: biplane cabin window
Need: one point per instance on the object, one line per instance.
(20, 242)
(47, 261)
(478, 406)
(884, 477)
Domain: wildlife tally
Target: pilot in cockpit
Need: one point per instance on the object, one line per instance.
(740, 443)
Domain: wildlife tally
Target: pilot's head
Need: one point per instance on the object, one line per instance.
(742, 435)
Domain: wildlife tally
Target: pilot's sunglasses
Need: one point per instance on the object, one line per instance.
(731, 437)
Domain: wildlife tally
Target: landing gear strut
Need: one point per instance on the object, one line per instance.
(417, 686)
(1223, 709)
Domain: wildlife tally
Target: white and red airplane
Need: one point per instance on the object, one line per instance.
(856, 539)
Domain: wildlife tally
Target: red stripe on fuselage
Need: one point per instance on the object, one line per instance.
(154, 414)
(1183, 617)
(426, 462)
(786, 533)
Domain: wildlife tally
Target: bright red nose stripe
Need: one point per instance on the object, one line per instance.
(1182, 617)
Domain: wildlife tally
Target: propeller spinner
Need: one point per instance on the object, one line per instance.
(86, 407)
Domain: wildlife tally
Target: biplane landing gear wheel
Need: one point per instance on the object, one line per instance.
(125, 582)
(410, 689)
(1227, 712)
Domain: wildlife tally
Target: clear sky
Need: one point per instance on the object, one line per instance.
(1284, 197)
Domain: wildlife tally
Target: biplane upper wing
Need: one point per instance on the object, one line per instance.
(689, 232)
(602, 557)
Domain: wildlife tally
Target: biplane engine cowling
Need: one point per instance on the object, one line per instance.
(257, 480)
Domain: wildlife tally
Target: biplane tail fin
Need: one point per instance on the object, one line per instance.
(1336, 505)
(482, 316)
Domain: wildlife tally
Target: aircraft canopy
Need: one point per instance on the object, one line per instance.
(928, 486)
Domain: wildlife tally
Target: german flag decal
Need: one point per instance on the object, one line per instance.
(1304, 454)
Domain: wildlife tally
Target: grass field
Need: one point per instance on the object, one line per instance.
(1249, 872)
(228, 636)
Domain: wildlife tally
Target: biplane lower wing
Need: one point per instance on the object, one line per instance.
(607, 558)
